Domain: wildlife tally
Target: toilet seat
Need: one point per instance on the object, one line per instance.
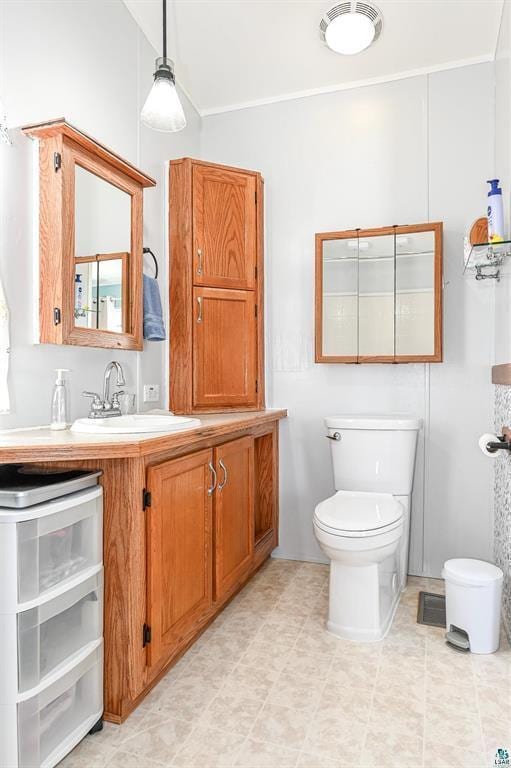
(356, 515)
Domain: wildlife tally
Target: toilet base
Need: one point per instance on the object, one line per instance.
(363, 599)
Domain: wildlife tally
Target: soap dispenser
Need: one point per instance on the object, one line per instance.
(59, 401)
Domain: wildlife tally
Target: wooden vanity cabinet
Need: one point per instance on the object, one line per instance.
(233, 513)
(179, 551)
(216, 288)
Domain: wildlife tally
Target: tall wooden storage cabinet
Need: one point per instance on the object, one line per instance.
(216, 288)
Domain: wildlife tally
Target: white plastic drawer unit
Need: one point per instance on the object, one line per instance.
(51, 634)
(52, 721)
(49, 546)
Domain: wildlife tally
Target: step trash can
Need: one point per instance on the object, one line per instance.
(473, 592)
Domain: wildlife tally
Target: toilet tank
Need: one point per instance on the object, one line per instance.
(373, 453)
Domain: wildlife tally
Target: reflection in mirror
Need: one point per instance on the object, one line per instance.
(415, 297)
(376, 296)
(102, 250)
(340, 297)
(100, 292)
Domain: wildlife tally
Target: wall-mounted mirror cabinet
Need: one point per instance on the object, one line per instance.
(379, 295)
(90, 241)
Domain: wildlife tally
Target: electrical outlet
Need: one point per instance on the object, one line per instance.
(151, 393)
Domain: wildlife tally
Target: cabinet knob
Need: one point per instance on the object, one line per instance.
(199, 304)
(199, 261)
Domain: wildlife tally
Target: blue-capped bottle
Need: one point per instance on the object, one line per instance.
(495, 212)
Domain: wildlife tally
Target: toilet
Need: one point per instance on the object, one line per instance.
(364, 528)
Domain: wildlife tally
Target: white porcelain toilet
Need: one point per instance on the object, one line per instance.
(364, 528)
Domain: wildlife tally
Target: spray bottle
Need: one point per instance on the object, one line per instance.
(495, 213)
(60, 402)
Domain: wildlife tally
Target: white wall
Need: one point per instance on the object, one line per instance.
(404, 152)
(87, 61)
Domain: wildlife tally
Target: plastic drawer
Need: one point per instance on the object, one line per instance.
(50, 634)
(51, 723)
(56, 547)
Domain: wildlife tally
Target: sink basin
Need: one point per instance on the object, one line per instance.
(125, 425)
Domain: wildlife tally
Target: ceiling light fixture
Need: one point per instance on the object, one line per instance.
(163, 110)
(351, 27)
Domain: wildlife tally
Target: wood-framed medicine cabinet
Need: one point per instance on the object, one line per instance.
(379, 295)
(90, 241)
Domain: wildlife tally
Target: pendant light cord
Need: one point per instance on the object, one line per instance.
(164, 29)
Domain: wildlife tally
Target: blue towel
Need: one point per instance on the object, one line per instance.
(154, 327)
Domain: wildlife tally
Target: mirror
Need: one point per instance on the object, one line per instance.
(102, 246)
(90, 243)
(378, 295)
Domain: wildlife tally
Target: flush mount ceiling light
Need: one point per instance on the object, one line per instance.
(351, 27)
(162, 109)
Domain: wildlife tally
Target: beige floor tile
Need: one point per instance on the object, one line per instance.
(308, 664)
(314, 637)
(443, 729)
(452, 756)
(251, 680)
(266, 655)
(256, 754)
(392, 748)
(209, 748)
(230, 712)
(297, 691)
(336, 738)
(265, 686)
(281, 725)
(122, 759)
(309, 760)
(345, 702)
(279, 628)
(160, 743)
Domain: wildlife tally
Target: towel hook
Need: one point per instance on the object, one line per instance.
(148, 250)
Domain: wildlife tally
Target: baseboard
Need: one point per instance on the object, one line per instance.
(299, 557)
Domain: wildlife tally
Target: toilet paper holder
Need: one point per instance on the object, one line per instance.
(504, 442)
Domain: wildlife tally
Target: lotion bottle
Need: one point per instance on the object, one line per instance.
(495, 213)
(60, 402)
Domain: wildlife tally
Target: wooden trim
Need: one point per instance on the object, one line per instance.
(501, 374)
(220, 166)
(261, 393)
(320, 237)
(59, 127)
(73, 447)
(181, 285)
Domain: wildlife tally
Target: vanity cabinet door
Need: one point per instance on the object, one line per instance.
(224, 348)
(234, 513)
(179, 556)
(224, 227)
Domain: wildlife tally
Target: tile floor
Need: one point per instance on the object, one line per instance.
(267, 686)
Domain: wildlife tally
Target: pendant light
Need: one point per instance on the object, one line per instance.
(162, 109)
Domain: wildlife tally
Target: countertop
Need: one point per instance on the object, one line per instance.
(44, 444)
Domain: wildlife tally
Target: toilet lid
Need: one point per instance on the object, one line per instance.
(351, 512)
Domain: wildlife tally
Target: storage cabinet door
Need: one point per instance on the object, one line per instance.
(179, 556)
(224, 227)
(234, 513)
(224, 348)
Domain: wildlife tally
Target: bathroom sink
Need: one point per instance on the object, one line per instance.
(125, 425)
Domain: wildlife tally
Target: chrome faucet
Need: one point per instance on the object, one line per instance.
(108, 406)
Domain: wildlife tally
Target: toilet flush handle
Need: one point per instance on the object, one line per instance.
(335, 436)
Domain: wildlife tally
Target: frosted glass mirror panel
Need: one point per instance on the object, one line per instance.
(340, 297)
(102, 249)
(415, 294)
(379, 295)
(376, 296)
